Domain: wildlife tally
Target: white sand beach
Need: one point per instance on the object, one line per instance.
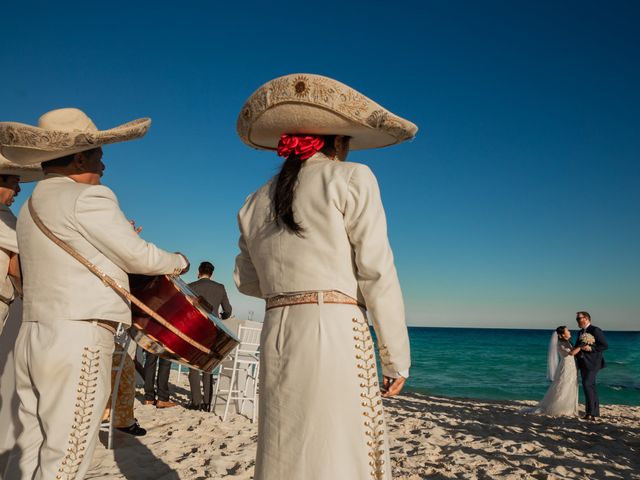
(431, 438)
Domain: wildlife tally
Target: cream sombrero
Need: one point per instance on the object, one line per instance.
(59, 133)
(313, 104)
(30, 173)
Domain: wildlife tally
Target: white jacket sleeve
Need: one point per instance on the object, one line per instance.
(8, 238)
(103, 224)
(245, 274)
(366, 226)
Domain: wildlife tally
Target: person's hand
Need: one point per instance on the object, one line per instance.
(133, 225)
(392, 386)
(586, 348)
(185, 269)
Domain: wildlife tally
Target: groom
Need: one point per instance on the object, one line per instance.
(590, 361)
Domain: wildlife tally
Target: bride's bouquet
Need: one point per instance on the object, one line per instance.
(587, 339)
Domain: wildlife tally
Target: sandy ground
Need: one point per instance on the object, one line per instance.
(431, 438)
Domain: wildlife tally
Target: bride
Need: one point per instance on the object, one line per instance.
(562, 396)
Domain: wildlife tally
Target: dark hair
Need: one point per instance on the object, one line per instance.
(285, 189)
(66, 160)
(560, 330)
(584, 314)
(206, 268)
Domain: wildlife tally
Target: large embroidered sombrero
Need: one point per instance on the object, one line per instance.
(59, 133)
(313, 104)
(30, 173)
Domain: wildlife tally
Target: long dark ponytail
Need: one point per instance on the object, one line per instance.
(285, 193)
(285, 189)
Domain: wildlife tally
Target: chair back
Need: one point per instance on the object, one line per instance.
(249, 339)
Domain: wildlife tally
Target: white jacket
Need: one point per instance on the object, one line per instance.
(87, 217)
(8, 245)
(344, 247)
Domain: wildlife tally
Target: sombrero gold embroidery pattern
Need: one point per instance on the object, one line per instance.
(320, 91)
(370, 395)
(26, 136)
(82, 415)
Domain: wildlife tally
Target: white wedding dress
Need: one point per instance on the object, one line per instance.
(562, 396)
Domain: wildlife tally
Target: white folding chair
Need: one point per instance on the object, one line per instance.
(245, 369)
(123, 340)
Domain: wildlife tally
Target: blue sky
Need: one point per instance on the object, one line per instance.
(516, 205)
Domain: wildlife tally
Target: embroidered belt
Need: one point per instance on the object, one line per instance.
(331, 296)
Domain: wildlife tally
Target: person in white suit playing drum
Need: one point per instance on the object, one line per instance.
(64, 348)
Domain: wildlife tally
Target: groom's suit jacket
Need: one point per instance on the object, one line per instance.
(89, 219)
(593, 360)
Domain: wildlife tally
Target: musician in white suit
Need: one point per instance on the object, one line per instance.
(313, 244)
(10, 304)
(64, 348)
(9, 188)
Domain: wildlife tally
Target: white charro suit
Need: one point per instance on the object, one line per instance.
(63, 361)
(8, 409)
(8, 245)
(320, 411)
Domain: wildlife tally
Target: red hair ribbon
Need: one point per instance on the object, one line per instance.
(304, 146)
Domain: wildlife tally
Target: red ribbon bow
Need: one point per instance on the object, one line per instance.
(304, 146)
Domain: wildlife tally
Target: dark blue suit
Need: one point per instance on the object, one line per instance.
(590, 364)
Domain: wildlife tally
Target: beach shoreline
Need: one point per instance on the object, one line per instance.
(431, 437)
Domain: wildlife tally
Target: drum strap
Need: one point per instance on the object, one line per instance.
(110, 282)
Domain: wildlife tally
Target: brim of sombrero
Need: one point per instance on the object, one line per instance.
(27, 145)
(31, 173)
(314, 104)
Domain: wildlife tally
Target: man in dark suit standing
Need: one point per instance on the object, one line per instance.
(215, 295)
(590, 362)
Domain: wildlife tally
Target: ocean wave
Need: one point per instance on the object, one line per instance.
(618, 387)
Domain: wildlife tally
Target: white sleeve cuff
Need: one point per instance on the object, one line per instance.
(404, 373)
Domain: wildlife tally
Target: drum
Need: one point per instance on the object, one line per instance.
(178, 324)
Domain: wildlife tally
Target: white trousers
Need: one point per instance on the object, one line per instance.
(9, 424)
(321, 415)
(63, 380)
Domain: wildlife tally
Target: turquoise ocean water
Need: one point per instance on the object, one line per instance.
(505, 364)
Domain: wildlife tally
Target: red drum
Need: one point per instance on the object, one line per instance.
(184, 329)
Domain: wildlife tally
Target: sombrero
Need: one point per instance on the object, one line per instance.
(30, 173)
(313, 104)
(59, 133)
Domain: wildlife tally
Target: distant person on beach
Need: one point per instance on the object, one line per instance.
(313, 244)
(562, 396)
(122, 411)
(156, 381)
(215, 295)
(592, 343)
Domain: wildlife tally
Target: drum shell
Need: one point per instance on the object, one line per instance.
(171, 299)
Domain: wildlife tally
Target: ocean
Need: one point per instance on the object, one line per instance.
(511, 364)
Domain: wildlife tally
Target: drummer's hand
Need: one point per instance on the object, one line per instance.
(392, 386)
(133, 225)
(186, 260)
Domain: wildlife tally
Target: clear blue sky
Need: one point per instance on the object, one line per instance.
(516, 205)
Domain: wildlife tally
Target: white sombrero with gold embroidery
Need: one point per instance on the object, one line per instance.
(30, 173)
(313, 104)
(59, 133)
